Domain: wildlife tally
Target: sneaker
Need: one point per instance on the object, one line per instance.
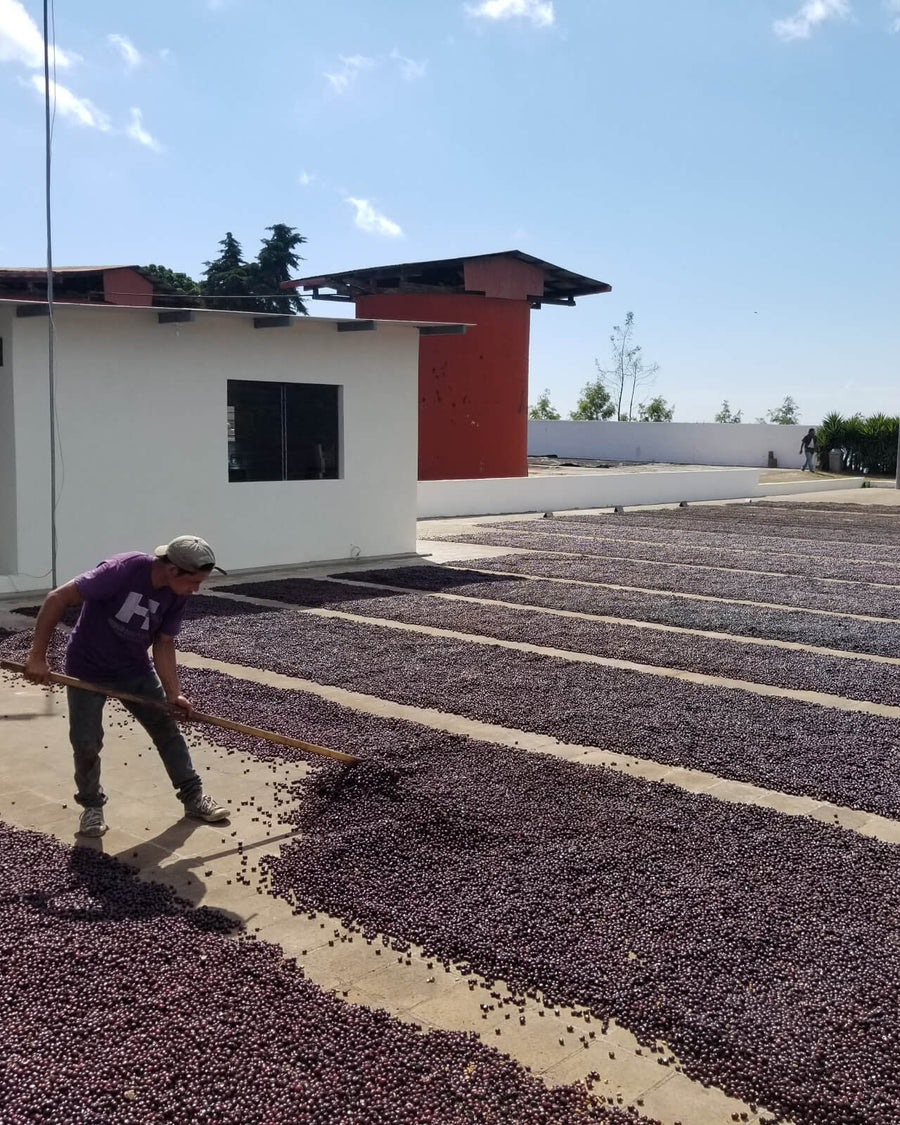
(203, 807)
(92, 822)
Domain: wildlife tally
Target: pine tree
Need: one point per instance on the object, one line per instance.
(275, 263)
(229, 280)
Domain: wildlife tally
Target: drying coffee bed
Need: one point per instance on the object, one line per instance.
(713, 656)
(746, 539)
(742, 522)
(879, 638)
(807, 593)
(206, 607)
(812, 521)
(813, 566)
(121, 1005)
(761, 948)
(892, 511)
(851, 759)
(619, 528)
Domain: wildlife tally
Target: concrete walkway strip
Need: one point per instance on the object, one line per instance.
(770, 642)
(695, 781)
(581, 555)
(521, 531)
(823, 699)
(672, 593)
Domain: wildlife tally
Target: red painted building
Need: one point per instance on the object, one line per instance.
(473, 385)
(106, 285)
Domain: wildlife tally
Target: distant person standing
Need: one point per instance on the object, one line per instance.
(808, 448)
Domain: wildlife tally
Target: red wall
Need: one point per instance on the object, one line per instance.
(473, 389)
(125, 287)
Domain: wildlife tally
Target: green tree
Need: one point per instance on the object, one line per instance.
(727, 415)
(275, 263)
(229, 280)
(543, 408)
(656, 410)
(595, 403)
(172, 288)
(627, 370)
(233, 283)
(787, 414)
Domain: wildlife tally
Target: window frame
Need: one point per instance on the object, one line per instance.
(291, 440)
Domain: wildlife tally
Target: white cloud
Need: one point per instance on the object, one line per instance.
(138, 133)
(130, 53)
(306, 178)
(69, 105)
(540, 12)
(368, 219)
(351, 65)
(892, 7)
(409, 68)
(21, 41)
(810, 14)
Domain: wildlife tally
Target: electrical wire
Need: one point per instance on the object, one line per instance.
(202, 297)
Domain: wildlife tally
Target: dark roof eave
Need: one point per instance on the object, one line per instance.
(559, 282)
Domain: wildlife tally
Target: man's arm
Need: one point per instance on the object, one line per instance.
(55, 605)
(167, 669)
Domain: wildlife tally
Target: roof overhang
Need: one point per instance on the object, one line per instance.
(445, 275)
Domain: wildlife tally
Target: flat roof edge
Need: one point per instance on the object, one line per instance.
(12, 302)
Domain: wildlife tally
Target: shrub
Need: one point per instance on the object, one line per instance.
(867, 445)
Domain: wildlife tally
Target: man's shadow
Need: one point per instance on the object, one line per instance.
(107, 886)
(102, 888)
(180, 879)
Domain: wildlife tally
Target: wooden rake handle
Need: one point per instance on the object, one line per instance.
(196, 716)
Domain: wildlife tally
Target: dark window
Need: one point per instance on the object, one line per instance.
(283, 431)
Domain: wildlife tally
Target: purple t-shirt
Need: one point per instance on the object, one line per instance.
(120, 616)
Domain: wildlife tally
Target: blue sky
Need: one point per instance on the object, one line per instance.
(730, 167)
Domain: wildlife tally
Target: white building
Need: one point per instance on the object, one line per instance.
(281, 440)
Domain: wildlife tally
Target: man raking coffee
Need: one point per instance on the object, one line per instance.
(131, 603)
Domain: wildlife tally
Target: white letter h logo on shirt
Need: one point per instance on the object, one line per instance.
(132, 605)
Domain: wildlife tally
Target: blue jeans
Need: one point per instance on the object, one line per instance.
(809, 460)
(86, 735)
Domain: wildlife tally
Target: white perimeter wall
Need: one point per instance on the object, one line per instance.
(500, 495)
(143, 441)
(676, 443)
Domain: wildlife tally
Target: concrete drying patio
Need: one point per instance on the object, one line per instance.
(217, 865)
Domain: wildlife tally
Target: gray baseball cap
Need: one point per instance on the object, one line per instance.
(189, 552)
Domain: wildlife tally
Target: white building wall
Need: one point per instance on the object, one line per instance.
(676, 443)
(143, 440)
